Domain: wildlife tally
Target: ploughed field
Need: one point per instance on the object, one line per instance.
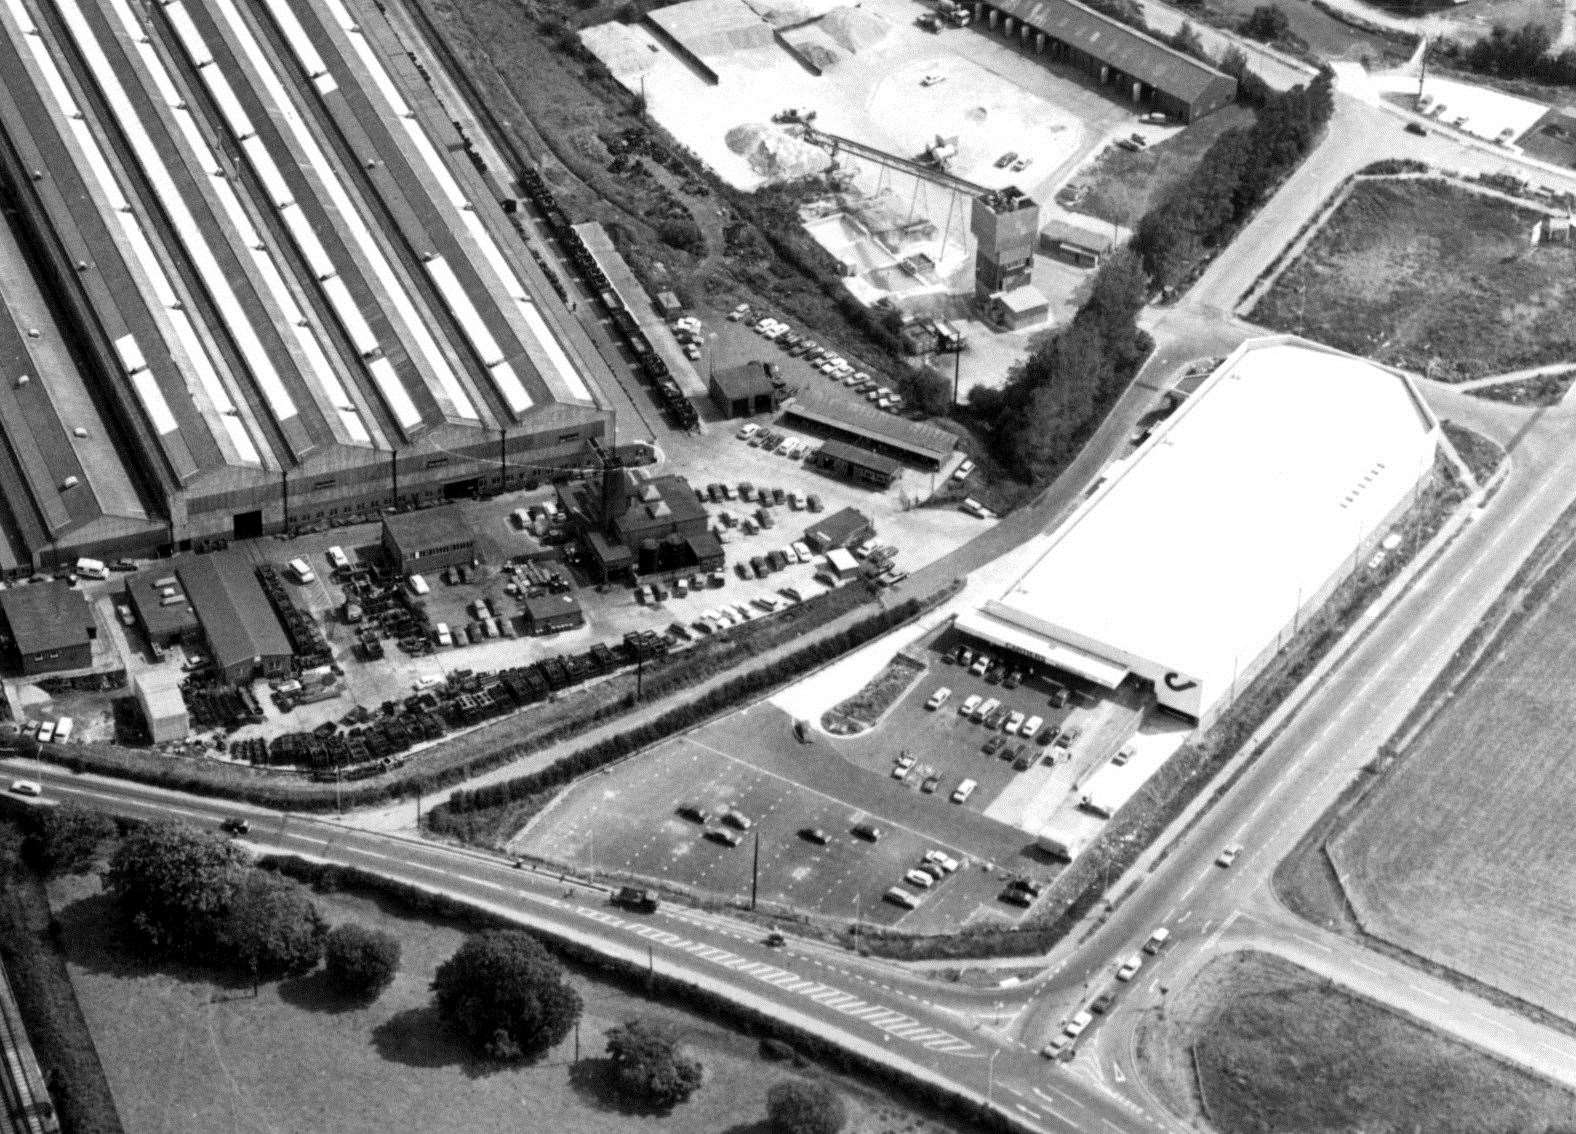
(1466, 855)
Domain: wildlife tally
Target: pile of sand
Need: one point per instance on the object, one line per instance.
(854, 28)
(817, 48)
(790, 13)
(775, 154)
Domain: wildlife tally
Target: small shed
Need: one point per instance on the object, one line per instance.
(553, 614)
(668, 305)
(861, 466)
(1021, 307)
(159, 696)
(840, 562)
(843, 528)
(1083, 241)
(741, 391)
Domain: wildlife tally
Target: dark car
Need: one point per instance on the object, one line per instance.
(775, 940)
(868, 831)
(758, 565)
(815, 835)
(777, 559)
(778, 496)
(1021, 761)
(235, 825)
(990, 746)
(1028, 885)
(746, 491)
(714, 492)
(694, 813)
(741, 569)
(1013, 680)
(1416, 128)
(1015, 898)
(813, 502)
(724, 836)
(1101, 1004)
(764, 518)
(1047, 734)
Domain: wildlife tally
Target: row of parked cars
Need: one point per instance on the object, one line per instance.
(718, 492)
(821, 358)
(1063, 1045)
(734, 823)
(933, 867)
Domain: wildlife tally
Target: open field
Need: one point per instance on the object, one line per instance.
(1466, 855)
(186, 1054)
(1428, 275)
(1120, 186)
(1254, 1043)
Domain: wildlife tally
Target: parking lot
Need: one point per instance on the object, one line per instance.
(627, 820)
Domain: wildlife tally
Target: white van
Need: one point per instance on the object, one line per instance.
(418, 585)
(337, 559)
(965, 789)
(63, 729)
(974, 508)
(46, 731)
(938, 698)
(985, 709)
(303, 574)
(91, 569)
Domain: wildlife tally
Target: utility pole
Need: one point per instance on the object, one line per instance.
(755, 871)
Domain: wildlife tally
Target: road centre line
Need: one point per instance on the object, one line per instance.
(1061, 1093)
(1493, 1023)
(1431, 995)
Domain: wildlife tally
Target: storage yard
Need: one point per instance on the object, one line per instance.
(272, 335)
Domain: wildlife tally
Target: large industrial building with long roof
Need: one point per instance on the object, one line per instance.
(256, 280)
(1198, 556)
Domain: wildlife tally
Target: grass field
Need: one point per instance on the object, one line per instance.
(1433, 277)
(1255, 1043)
(185, 1054)
(1466, 855)
(1120, 186)
(1543, 390)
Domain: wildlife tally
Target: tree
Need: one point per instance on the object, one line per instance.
(505, 995)
(930, 392)
(682, 233)
(360, 962)
(65, 839)
(271, 927)
(801, 1106)
(173, 883)
(1266, 23)
(650, 1064)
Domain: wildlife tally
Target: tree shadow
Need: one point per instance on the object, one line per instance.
(314, 993)
(593, 1079)
(416, 1037)
(762, 1126)
(92, 937)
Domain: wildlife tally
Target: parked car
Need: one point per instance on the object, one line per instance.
(1229, 855)
(235, 825)
(1130, 967)
(867, 831)
(1006, 159)
(724, 836)
(694, 813)
(815, 835)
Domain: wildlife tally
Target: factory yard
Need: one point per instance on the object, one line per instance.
(1465, 854)
(1431, 276)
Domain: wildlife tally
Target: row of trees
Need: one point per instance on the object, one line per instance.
(189, 895)
(1236, 174)
(1059, 395)
(1517, 53)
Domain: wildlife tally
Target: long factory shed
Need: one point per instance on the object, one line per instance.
(269, 332)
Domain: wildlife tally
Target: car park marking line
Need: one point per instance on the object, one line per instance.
(1010, 1089)
(1375, 969)
(1061, 1093)
(1493, 1023)
(1431, 995)
(1026, 1110)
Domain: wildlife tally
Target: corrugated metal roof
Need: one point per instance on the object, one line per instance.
(928, 441)
(1127, 49)
(236, 616)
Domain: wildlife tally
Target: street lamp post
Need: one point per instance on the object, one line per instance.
(990, 1078)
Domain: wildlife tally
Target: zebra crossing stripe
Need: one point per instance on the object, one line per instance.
(800, 985)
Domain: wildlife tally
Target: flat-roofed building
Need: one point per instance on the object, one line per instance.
(553, 614)
(428, 540)
(163, 708)
(49, 627)
(1196, 559)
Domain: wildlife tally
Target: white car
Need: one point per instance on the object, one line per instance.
(26, 787)
(905, 761)
(1229, 855)
(963, 470)
(942, 859)
(1075, 1027)
(938, 698)
(970, 703)
(1130, 967)
(919, 879)
(747, 430)
(932, 80)
(1014, 723)
(1031, 727)
(801, 551)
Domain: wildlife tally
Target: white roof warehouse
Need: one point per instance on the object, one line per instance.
(1192, 563)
